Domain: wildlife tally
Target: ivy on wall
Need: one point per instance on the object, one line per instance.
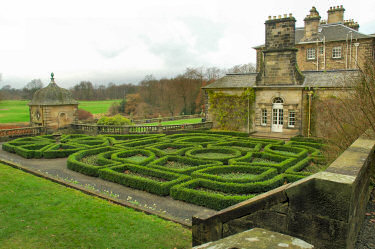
(231, 111)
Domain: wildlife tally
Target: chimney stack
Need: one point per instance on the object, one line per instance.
(280, 54)
(336, 14)
(311, 25)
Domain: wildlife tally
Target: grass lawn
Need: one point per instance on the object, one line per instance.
(14, 111)
(37, 213)
(178, 122)
(18, 110)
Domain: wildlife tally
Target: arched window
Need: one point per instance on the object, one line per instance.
(278, 100)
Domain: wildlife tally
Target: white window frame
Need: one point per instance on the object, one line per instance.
(264, 117)
(336, 52)
(292, 118)
(311, 53)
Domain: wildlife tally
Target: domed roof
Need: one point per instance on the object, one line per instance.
(53, 95)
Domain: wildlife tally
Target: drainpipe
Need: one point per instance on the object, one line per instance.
(347, 48)
(356, 45)
(309, 93)
(317, 56)
(350, 49)
(324, 51)
(248, 113)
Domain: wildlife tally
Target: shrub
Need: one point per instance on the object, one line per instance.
(115, 120)
(84, 115)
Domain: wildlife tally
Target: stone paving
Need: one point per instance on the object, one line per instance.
(165, 207)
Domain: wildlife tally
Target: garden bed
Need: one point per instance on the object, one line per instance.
(210, 169)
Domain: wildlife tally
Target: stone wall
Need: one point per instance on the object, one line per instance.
(292, 101)
(325, 209)
(349, 59)
(53, 116)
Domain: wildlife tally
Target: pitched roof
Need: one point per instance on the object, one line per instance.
(233, 81)
(333, 78)
(323, 79)
(329, 32)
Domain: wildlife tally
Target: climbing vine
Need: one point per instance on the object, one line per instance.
(231, 111)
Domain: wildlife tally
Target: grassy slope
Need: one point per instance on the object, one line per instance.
(36, 213)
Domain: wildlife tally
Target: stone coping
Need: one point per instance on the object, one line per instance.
(325, 209)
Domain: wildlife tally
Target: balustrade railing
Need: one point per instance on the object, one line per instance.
(139, 129)
(18, 132)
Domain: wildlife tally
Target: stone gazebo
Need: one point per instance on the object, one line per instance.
(53, 107)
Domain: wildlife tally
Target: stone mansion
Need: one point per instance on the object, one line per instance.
(295, 63)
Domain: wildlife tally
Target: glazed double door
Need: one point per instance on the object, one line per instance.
(277, 117)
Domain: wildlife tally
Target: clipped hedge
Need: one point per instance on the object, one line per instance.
(281, 163)
(32, 150)
(191, 164)
(296, 169)
(61, 150)
(74, 161)
(288, 151)
(194, 192)
(222, 154)
(179, 149)
(142, 178)
(215, 173)
(124, 155)
(240, 145)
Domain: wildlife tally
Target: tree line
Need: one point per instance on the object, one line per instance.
(180, 94)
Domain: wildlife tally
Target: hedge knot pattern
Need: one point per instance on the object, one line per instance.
(207, 168)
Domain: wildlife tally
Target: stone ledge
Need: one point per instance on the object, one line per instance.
(257, 238)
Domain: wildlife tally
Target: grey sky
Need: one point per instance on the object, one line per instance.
(122, 41)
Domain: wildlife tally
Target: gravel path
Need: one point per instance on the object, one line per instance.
(366, 237)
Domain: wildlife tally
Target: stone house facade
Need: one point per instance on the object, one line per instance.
(286, 80)
(53, 107)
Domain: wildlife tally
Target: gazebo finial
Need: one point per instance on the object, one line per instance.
(52, 78)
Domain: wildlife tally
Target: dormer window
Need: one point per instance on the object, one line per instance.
(311, 52)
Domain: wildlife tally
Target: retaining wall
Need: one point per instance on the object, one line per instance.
(325, 209)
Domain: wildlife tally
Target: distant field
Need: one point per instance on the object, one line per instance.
(178, 122)
(12, 111)
(18, 110)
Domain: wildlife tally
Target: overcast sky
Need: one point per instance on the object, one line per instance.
(122, 41)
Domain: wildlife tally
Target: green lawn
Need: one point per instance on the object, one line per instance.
(14, 111)
(18, 110)
(178, 122)
(37, 213)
